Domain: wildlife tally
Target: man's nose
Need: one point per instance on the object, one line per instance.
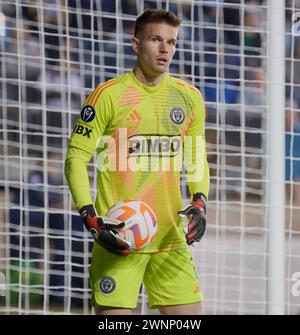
(163, 47)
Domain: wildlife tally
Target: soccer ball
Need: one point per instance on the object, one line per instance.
(140, 222)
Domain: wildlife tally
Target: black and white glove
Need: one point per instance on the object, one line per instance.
(101, 228)
(196, 212)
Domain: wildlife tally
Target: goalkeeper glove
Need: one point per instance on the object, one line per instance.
(101, 229)
(196, 211)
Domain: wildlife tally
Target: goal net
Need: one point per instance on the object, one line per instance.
(53, 53)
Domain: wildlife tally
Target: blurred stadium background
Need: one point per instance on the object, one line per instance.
(53, 53)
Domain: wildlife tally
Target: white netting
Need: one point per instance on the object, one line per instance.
(53, 53)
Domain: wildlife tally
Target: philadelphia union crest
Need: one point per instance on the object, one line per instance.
(177, 115)
(107, 284)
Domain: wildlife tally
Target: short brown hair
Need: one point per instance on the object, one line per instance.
(157, 16)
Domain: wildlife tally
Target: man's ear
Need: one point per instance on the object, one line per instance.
(135, 44)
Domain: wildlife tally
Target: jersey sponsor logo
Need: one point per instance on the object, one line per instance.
(87, 113)
(154, 145)
(107, 284)
(177, 115)
(82, 130)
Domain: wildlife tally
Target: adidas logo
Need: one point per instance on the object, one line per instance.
(134, 116)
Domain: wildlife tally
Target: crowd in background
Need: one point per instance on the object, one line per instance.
(55, 55)
(61, 52)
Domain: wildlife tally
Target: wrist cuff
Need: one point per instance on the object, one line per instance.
(200, 196)
(87, 210)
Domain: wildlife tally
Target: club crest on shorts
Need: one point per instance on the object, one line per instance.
(87, 113)
(177, 115)
(107, 285)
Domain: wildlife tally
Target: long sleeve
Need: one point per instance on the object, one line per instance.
(195, 151)
(95, 114)
(77, 176)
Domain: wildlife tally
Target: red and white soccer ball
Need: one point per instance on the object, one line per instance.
(140, 222)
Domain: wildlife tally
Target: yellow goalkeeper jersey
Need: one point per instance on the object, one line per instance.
(141, 135)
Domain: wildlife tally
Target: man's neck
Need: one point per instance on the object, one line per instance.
(146, 79)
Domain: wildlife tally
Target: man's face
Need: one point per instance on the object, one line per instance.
(155, 47)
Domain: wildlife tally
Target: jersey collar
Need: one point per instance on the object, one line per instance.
(150, 89)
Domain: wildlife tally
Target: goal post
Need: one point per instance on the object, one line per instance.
(275, 166)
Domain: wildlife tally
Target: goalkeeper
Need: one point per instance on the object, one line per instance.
(142, 125)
